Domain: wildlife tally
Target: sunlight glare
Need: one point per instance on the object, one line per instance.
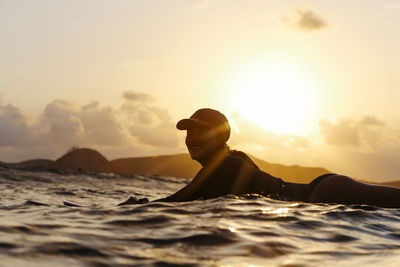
(277, 97)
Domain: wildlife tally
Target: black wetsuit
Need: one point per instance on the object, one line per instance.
(236, 174)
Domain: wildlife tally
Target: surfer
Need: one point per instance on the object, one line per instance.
(225, 171)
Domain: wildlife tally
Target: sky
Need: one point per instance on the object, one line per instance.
(310, 83)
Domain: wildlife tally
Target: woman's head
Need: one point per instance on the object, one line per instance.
(208, 130)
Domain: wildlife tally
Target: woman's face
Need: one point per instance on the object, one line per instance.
(203, 142)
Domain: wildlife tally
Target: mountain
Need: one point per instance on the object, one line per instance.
(36, 163)
(294, 173)
(179, 165)
(83, 159)
(392, 183)
(182, 165)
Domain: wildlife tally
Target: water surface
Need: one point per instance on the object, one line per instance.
(36, 229)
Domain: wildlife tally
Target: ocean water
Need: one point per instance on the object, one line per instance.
(36, 229)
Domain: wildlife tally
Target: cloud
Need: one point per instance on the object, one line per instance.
(371, 121)
(65, 122)
(201, 4)
(394, 4)
(278, 148)
(136, 126)
(14, 127)
(133, 96)
(367, 132)
(305, 19)
(60, 123)
(102, 125)
(343, 133)
(363, 148)
(251, 133)
(138, 114)
(150, 125)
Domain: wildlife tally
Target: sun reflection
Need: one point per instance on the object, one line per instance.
(232, 229)
(279, 211)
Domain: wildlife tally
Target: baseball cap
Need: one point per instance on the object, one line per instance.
(207, 117)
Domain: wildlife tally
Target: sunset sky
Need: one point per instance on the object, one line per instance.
(311, 83)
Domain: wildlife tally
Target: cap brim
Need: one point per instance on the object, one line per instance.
(189, 123)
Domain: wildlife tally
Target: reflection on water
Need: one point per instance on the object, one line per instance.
(36, 229)
(279, 211)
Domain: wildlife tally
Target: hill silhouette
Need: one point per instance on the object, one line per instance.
(83, 159)
(294, 173)
(179, 165)
(392, 183)
(37, 163)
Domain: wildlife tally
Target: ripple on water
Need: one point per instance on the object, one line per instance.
(380, 227)
(69, 249)
(48, 226)
(395, 236)
(271, 249)
(160, 219)
(181, 211)
(64, 193)
(216, 238)
(5, 245)
(379, 246)
(265, 233)
(20, 229)
(232, 231)
(350, 215)
(306, 224)
(333, 238)
(339, 254)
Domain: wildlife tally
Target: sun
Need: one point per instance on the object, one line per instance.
(276, 96)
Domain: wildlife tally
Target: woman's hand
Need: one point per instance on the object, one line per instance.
(133, 201)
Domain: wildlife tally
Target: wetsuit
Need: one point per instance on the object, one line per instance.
(236, 174)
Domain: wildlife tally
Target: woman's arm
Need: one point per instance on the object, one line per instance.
(195, 189)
